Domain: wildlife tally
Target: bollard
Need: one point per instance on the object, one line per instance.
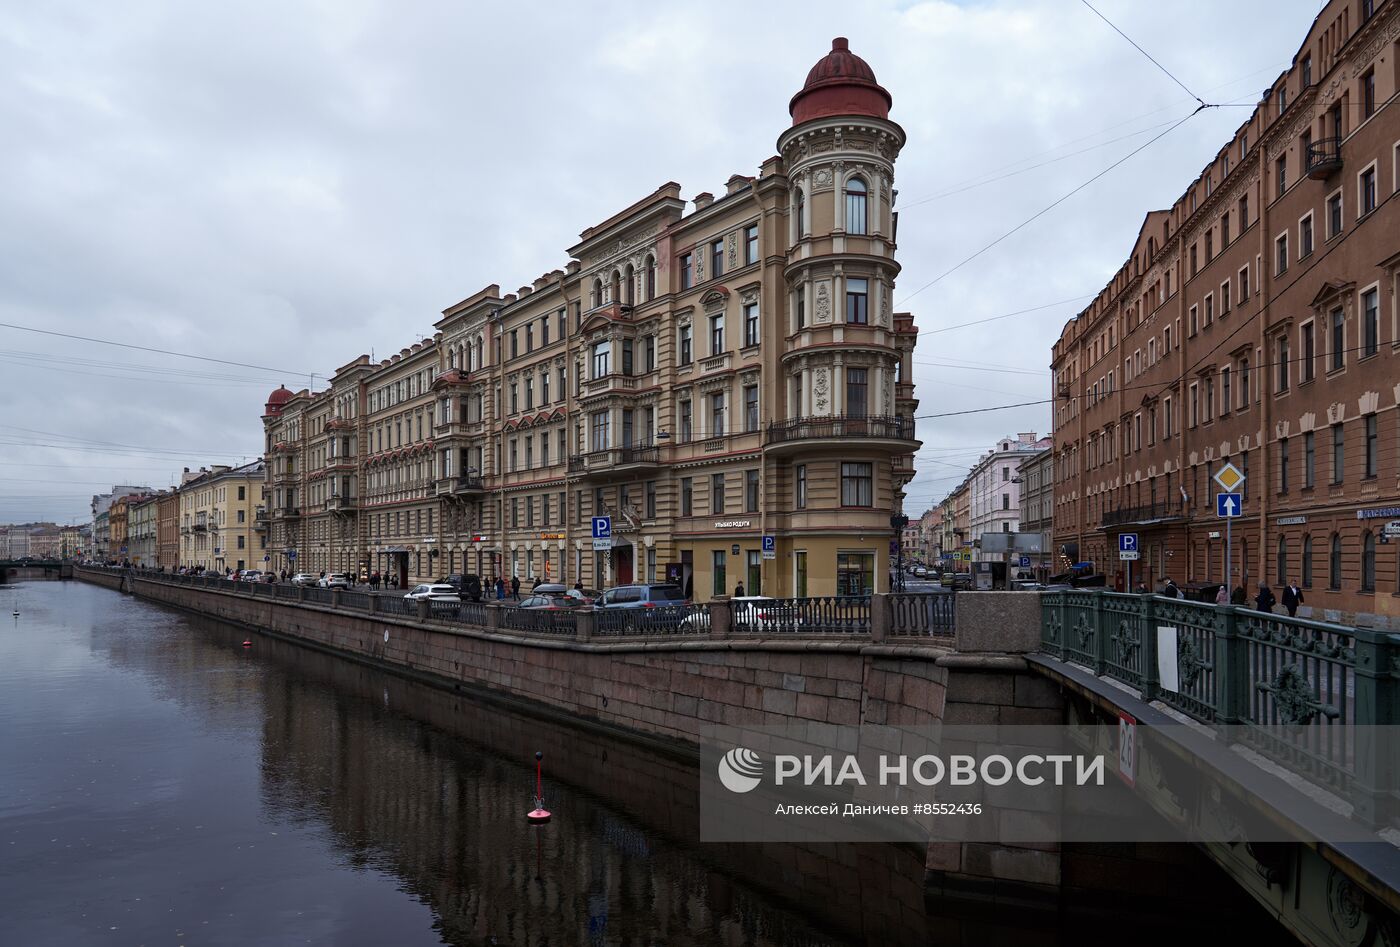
(493, 618)
(721, 617)
(585, 622)
(881, 616)
(422, 609)
(373, 608)
(335, 598)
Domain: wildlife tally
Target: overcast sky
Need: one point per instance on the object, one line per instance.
(290, 184)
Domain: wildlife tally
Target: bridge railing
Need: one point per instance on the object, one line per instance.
(1304, 692)
(661, 620)
(821, 615)
(922, 614)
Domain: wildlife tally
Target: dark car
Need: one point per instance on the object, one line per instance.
(468, 586)
(642, 596)
(551, 601)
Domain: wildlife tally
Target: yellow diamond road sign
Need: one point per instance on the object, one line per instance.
(1229, 477)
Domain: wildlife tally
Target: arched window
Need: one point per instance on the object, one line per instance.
(1281, 575)
(451, 358)
(651, 277)
(597, 293)
(1334, 565)
(616, 287)
(631, 282)
(855, 206)
(479, 362)
(800, 203)
(1307, 562)
(1368, 561)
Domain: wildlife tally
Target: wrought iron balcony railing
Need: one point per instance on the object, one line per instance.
(840, 426)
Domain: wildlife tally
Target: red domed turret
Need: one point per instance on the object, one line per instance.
(841, 83)
(276, 400)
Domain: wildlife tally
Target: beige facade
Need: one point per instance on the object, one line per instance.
(216, 519)
(168, 529)
(704, 373)
(141, 532)
(1255, 323)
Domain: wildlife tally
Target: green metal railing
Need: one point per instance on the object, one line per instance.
(1309, 694)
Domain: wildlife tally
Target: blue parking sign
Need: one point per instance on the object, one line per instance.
(1128, 542)
(770, 544)
(602, 527)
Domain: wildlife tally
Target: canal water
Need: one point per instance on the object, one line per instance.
(162, 784)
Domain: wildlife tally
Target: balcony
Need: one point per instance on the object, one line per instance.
(260, 519)
(339, 504)
(601, 464)
(459, 486)
(200, 526)
(286, 513)
(1324, 158)
(889, 433)
(610, 384)
(1139, 515)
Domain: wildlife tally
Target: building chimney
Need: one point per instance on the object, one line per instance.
(703, 199)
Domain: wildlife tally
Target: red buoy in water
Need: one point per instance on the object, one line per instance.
(539, 814)
(247, 642)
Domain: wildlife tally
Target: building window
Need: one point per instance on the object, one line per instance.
(687, 271)
(750, 407)
(1372, 446)
(627, 364)
(1281, 255)
(1334, 564)
(751, 491)
(717, 493)
(1368, 561)
(687, 496)
(800, 486)
(1281, 562)
(716, 259)
(1309, 354)
(649, 353)
(857, 295)
(1281, 347)
(1334, 215)
(755, 573)
(751, 244)
(857, 485)
(1339, 354)
(855, 573)
(685, 356)
(1244, 283)
(717, 414)
(601, 353)
(855, 206)
(750, 324)
(1283, 465)
(1370, 322)
(601, 440)
(687, 429)
(856, 392)
(1366, 197)
(718, 584)
(1281, 173)
(1309, 461)
(1338, 452)
(1305, 236)
(1368, 94)
(799, 573)
(717, 334)
(1307, 575)
(801, 307)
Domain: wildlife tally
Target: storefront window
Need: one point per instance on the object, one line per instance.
(855, 573)
(717, 584)
(799, 574)
(755, 579)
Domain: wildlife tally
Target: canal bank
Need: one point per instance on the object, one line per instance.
(661, 692)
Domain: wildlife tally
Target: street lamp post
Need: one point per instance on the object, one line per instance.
(898, 522)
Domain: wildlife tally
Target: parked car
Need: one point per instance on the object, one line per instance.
(551, 602)
(750, 611)
(437, 592)
(642, 596)
(559, 588)
(335, 580)
(920, 572)
(268, 577)
(304, 578)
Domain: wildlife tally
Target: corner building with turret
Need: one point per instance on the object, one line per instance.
(705, 373)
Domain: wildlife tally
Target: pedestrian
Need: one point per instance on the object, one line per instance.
(1222, 595)
(515, 587)
(500, 589)
(739, 590)
(323, 573)
(1239, 596)
(374, 580)
(578, 586)
(1171, 590)
(1264, 601)
(1292, 598)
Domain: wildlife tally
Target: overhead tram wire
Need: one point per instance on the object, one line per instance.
(1168, 72)
(144, 348)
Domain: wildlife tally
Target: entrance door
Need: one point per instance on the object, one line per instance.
(622, 564)
(401, 568)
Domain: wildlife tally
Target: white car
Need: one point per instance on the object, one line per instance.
(747, 610)
(335, 580)
(304, 578)
(437, 593)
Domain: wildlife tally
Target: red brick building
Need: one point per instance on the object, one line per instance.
(1255, 322)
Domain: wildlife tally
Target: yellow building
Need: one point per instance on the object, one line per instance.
(217, 511)
(705, 372)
